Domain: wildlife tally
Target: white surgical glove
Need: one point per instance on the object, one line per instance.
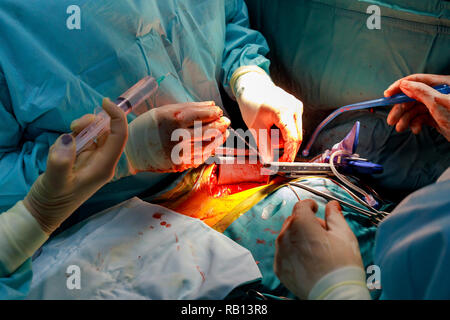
(67, 183)
(345, 283)
(20, 236)
(309, 250)
(263, 105)
(69, 179)
(164, 139)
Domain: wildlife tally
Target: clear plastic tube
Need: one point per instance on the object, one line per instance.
(130, 99)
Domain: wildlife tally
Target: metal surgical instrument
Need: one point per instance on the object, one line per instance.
(375, 217)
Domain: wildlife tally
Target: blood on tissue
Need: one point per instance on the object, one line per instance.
(157, 215)
(259, 241)
(271, 231)
(217, 190)
(201, 273)
(176, 115)
(165, 224)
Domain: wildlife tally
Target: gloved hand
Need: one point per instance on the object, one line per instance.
(264, 105)
(70, 180)
(432, 108)
(154, 143)
(309, 248)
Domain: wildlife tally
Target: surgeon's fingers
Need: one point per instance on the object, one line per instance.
(291, 148)
(419, 91)
(79, 124)
(443, 100)
(210, 148)
(420, 120)
(398, 111)
(118, 129)
(187, 105)
(322, 222)
(297, 107)
(429, 79)
(218, 141)
(60, 161)
(204, 113)
(201, 151)
(334, 218)
(304, 219)
(101, 140)
(210, 130)
(437, 104)
(308, 206)
(109, 153)
(407, 117)
(441, 110)
(305, 206)
(289, 131)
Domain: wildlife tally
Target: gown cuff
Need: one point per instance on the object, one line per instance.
(20, 236)
(244, 70)
(346, 283)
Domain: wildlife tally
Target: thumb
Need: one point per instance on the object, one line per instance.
(334, 218)
(60, 161)
(115, 143)
(419, 91)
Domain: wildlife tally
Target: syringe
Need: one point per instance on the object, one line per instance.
(132, 98)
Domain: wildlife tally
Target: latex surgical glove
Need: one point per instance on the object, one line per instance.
(176, 137)
(432, 108)
(264, 105)
(20, 236)
(70, 180)
(308, 248)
